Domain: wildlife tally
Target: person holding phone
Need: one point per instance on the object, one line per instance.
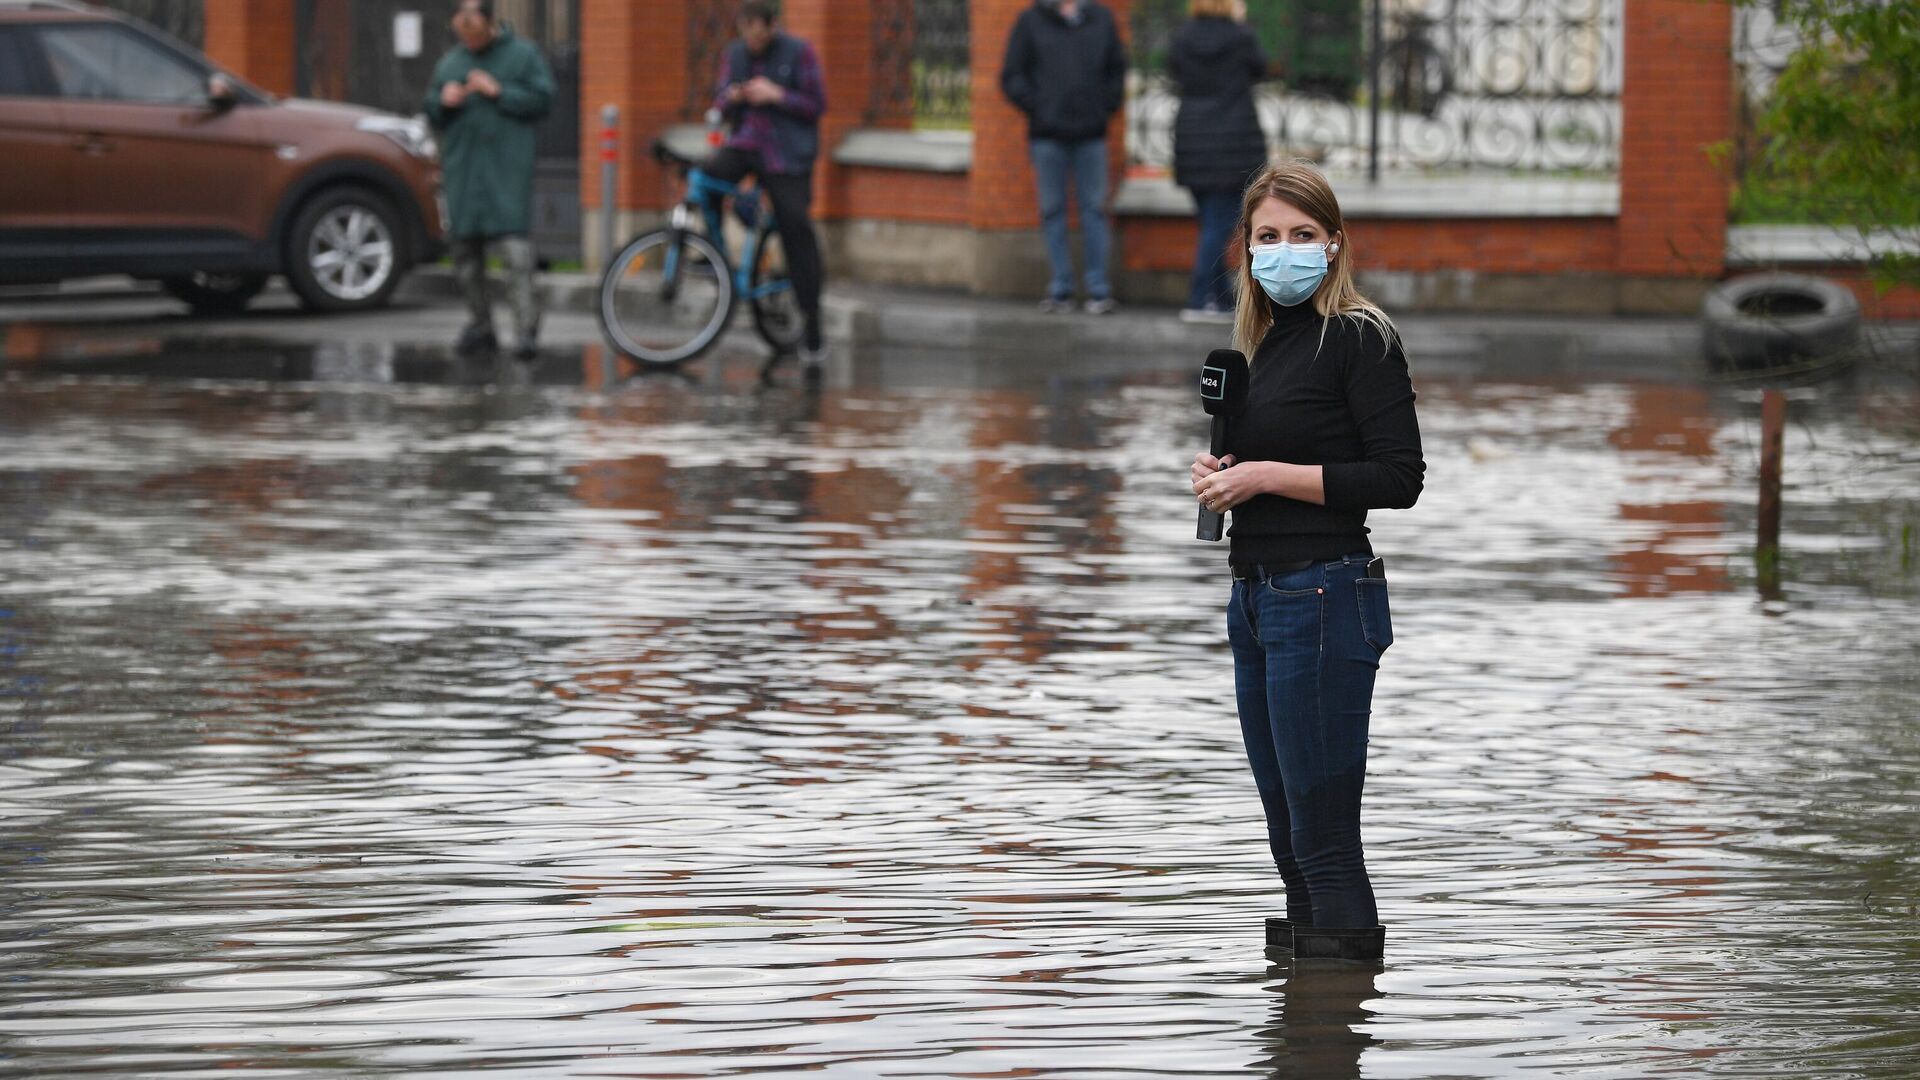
(772, 92)
(486, 96)
(1328, 433)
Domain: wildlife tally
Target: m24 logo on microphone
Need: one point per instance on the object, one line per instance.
(1213, 383)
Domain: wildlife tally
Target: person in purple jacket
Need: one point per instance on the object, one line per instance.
(772, 93)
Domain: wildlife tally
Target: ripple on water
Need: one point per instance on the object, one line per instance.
(888, 733)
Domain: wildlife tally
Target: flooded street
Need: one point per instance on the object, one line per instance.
(363, 727)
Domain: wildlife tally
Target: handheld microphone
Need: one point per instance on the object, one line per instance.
(1223, 393)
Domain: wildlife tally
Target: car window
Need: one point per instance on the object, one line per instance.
(17, 65)
(103, 62)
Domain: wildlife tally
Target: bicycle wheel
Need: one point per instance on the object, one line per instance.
(771, 296)
(666, 297)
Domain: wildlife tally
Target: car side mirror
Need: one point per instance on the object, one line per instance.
(220, 94)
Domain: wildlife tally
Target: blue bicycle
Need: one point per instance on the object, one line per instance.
(669, 294)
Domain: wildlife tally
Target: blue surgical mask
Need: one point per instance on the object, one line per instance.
(1290, 272)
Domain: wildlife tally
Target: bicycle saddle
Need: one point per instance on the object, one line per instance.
(667, 155)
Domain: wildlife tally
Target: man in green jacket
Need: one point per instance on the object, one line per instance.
(487, 93)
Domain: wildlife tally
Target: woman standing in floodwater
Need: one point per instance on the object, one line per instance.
(1328, 433)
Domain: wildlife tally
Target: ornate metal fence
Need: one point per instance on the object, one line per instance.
(1373, 85)
(1762, 45)
(921, 75)
(922, 71)
(709, 30)
(184, 19)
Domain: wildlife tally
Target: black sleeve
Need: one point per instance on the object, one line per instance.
(1380, 399)
(1016, 78)
(1116, 71)
(1256, 56)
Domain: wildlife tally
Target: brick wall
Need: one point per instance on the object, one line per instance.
(633, 55)
(906, 195)
(254, 39)
(1497, 246)
(1675, 103)
(842, 33)
(1002, 192)
(1003, 196)
(1900, 302)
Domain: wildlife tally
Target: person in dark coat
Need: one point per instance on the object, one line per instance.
(1066, 70)
(486, 95)
(1217, 141)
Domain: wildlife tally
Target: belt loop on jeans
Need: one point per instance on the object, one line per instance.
(1263, 571)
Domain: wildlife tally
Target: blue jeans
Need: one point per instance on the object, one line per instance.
(1086, 160)
(1306, 646)
(1212, 284)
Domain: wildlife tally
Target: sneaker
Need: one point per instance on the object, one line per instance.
(1100, 305)
(1208, 314)
(1057, 305)
(527, 351)
(813, 366)
(475, 339)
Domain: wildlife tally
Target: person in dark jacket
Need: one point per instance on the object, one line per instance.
(486, 95)
(772, 92)
(1066, 70)
(1328, 434)
(1217, 141)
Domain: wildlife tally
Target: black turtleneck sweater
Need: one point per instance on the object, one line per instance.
(1342, 402)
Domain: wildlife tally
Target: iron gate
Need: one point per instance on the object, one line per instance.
(346, 52)
(1453, 85)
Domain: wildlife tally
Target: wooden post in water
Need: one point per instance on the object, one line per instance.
(1766, 551)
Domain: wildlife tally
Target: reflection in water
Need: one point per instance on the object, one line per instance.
(703, 727)
(1686, 551)
(1319, 1019)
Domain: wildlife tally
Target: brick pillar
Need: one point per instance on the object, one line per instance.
(1117, 146)
(1117, 130)
(633, 56)
(1676, 102)
(1003, 207)
(1002, 192)
(254, 39)
(842, 34)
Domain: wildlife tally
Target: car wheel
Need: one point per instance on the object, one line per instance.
(344, 253)
(215, 294)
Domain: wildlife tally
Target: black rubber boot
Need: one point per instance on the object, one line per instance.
(1363, 943)
(1280, 934)
(476, 340)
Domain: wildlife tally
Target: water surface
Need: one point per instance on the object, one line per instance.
(703, 728)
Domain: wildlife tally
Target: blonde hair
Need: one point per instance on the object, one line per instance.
(1301, 186)
(1211, 9)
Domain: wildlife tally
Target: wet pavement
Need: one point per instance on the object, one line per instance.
(371, 712)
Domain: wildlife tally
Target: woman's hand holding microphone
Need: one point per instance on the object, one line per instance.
(1222, 484)
(1216, 486)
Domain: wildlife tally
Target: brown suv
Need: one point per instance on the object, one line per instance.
(124, 152)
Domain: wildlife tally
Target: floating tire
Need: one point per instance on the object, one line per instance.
(1769, 320)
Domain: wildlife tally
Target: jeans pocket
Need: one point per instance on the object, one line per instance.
(1272, 588)
(1376, 615)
